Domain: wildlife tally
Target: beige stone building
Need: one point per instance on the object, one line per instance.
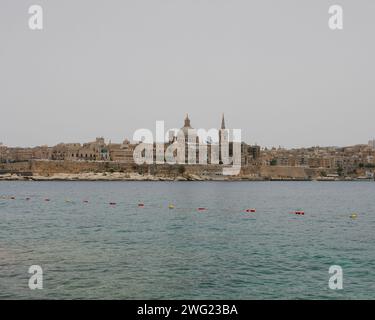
(91, 151)
(121, 152)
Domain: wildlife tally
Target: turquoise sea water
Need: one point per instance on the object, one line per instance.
(97, 251)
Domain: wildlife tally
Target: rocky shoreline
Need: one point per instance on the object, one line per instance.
(105, 176)
(118, 176)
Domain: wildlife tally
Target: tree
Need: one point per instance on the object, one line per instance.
(340, 171)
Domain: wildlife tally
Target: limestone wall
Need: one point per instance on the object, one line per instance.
(15, 167)
(48, 168)
(52, 167)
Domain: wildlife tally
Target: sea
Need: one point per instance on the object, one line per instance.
(187, 240)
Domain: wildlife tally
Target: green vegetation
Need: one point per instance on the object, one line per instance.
(273, 162)
(340, 171)
(367, 165)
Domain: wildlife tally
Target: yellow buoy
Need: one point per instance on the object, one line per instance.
(171, 206)
(353, 216)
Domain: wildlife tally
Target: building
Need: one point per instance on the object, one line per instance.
(191, 140)
(91, 151)
(121, 152)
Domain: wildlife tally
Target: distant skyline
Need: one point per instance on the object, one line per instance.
(108, 68)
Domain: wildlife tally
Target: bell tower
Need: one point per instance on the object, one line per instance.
(187, 122)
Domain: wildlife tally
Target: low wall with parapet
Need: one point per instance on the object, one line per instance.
(282, 172)
(48, 168)
(15, 167)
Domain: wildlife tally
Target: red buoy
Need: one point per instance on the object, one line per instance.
(201, 209)
(250, 210)
(141, 204)
(299, 212)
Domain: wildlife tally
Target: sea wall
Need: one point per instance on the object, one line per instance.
(49, 168)
(16, 167)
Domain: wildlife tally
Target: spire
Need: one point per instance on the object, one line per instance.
(187, 121)
(222, 122)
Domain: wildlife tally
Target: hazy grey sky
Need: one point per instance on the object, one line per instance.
(107, 68)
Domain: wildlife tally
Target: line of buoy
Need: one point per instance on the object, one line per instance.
(171, 206)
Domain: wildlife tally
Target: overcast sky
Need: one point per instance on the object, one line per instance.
(107, 68)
